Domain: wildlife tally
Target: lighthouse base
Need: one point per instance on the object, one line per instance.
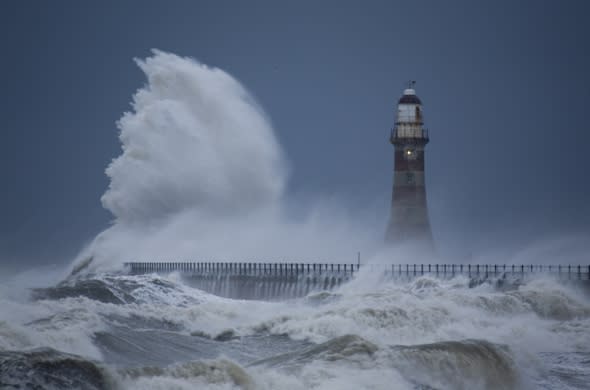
(409, 222)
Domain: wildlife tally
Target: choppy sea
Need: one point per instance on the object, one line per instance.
(119, 331)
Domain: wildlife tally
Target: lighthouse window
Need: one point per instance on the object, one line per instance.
(410, 178)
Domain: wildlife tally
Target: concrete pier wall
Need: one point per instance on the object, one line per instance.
(276, 281)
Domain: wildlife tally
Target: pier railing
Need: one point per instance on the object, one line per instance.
(273, 281)
(579, 272)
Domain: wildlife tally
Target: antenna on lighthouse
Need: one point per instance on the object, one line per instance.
(411, 84)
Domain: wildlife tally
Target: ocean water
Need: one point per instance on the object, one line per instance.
(118, 331)
(202, 175)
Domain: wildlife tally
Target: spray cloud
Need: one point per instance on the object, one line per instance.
(202, 175)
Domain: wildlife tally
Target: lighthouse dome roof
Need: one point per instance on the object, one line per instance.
(409, 97)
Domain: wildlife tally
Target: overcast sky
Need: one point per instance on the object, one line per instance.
(505, 87)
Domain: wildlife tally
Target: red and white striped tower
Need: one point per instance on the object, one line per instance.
(409, 212)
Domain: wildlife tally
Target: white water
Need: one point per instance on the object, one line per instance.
(543, 316)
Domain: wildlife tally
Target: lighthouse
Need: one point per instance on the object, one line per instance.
(409, 221)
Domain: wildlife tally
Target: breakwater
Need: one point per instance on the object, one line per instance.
(252, 280)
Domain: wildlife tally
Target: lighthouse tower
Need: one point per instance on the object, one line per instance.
(409, 213)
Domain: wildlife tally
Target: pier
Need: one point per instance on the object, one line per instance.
(255, 280)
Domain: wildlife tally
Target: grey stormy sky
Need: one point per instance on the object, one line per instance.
(505, 86)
